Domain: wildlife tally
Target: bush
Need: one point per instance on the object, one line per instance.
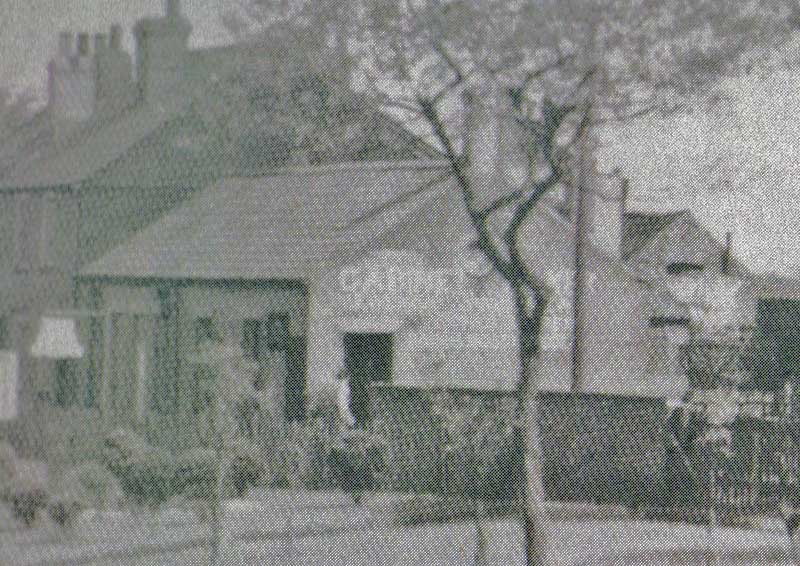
(355, 461)
(148, 479)
(8, 470)
(119, 448)
(26, 491)
(97, 486)
(26, 504)
(482, 455)
(65, 507)
(303, 457)
(196, 473)
(323, 407)
(246, 468)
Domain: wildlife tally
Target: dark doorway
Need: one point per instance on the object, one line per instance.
(368, 358)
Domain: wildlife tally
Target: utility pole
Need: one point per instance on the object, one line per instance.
(583, 185)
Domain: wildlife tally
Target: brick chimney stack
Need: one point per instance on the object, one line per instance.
(161, 50)
(71, 79)
(604, 210)
(115, 87)
(491, 142)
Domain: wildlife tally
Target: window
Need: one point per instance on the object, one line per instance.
(26, 244)
(65, 386)
(251, 338)
(683, 268)
(204, 331)
(5, 339)
(277, 333)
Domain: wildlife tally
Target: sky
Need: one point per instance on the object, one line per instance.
(755, 192)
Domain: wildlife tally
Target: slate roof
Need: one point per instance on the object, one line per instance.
(291, 225)
(640, 228)
(77, 151)
(301, 223)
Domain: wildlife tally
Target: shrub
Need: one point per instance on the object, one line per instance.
(27, 491)
(97, 486)
(482, 456)
(119, 448)
(26, 504)
(148, 478)
(303, 456)
(323, 407)
(246, 468)
(196, 474)
(65, 507)
(355, 460)
(8, 470)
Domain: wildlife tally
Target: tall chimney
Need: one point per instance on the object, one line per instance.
(604, 210)
(486, 110)
(71, 79)
(161, 52)
(115, 87)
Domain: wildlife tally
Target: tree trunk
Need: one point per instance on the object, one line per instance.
(535, 519)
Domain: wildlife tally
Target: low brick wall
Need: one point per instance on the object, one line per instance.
(606, 449)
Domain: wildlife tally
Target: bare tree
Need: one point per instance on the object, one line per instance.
(562, 71)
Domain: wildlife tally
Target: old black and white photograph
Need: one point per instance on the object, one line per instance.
(400, 282)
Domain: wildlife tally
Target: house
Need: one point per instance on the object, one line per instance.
(110, 154)
(364, 265)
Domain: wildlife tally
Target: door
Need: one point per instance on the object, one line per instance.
(368, 359)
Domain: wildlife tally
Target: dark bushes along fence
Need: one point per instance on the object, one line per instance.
(598, 448)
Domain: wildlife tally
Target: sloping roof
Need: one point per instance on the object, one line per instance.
(639, 228)
(290, 225)
(774, 286)
(73, 152)
(302, 222)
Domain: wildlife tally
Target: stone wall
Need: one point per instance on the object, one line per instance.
(599, 448)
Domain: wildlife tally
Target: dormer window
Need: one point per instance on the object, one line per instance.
(684, 277)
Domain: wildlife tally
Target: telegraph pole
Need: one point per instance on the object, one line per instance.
(584, 180)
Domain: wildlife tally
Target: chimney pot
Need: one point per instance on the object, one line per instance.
(65, 42)
(116, 37)
(83, 44)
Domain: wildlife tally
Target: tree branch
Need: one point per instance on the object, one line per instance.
(485, 241)
(459, 75)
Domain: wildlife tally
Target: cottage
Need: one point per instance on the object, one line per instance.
(110, 154)
(368, 265)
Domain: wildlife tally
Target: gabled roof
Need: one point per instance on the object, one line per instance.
(294, 224)
(775, 286)
(68, 153)
(301, 223)
(639, 228)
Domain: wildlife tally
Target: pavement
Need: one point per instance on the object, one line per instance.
(326, 529)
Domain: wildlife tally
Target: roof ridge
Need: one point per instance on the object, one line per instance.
(323, 169)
